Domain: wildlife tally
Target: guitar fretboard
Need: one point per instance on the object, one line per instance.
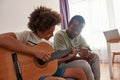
(56, 55)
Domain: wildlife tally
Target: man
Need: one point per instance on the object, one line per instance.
(71, 38)
(42, 22)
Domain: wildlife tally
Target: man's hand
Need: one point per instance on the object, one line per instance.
(86, 54)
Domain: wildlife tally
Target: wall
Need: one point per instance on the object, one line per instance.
(14, 13)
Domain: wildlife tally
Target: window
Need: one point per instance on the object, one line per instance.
(100, 15)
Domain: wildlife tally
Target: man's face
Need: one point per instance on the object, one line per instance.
(75, 28)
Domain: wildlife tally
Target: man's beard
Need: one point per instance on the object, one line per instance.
(70, 35)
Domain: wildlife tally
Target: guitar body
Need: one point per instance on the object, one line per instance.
(29, 68)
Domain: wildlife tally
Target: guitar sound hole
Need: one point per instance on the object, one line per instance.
(39, 61)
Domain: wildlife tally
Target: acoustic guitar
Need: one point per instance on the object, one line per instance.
(20, 66)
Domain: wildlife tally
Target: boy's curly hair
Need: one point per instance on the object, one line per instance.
(43, 18)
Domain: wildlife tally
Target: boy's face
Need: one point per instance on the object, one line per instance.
(75, 28)
(47, 34)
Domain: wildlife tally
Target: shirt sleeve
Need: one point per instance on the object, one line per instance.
(59, 42)
(22, 36)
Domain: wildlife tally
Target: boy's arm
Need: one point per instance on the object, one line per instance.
(9, 41)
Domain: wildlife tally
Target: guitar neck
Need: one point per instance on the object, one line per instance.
(60, 53)
(56, 55)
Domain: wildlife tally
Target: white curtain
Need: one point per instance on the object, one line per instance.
(116, 4)
(100, 15)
